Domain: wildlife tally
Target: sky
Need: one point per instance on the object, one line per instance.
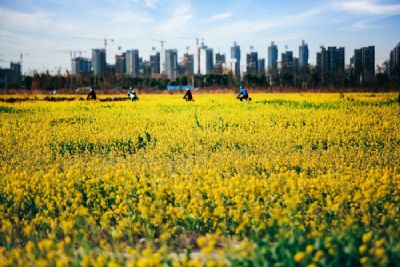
(45, 31)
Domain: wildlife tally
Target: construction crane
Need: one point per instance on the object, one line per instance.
(21, 57)
(162, 42)
(198, 52)
(105, 40)
(197, 40)
(73, 53)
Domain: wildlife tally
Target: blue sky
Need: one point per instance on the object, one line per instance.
(47, 30)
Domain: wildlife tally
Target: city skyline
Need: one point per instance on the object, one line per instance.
(47, 30)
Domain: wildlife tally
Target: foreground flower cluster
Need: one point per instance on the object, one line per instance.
(308, 180)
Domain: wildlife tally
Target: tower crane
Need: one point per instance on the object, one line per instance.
(162, 42)
(198, 52)
(73, 53)
(105, 40)
(198, 40)
(21, 56)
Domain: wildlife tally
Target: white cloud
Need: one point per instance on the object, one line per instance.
(221, 16)
(38, 21)
(151, 3)
(178, 22)
(246, 28)
(128, 17)
(371, 7)
(360, 25)
(24, 21)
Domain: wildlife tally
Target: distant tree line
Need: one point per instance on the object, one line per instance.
(302, 79)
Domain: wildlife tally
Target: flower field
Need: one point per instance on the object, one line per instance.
(284, 180)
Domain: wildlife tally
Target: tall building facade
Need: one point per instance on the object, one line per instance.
(145, 68)
(261, 67)
(303, 55)
(287, 60)
(335, 58)
(120, 63)
(330, 63)
(80, 65)
(132, 62)
(235, 56)
(188, 64)
(364, 64)
(16, 68)
(252, 63)
(394, 62)
(220, 61)
(99, 61)
(171, 64)
(272, 57)
(155, 63)
(206, 60)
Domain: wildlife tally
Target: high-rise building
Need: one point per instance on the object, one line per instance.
(364, 64)
(206, 60)
(261, 67)
(171, 63)
(188, 64)
(155, 63)
(132, 62)
(322, 60)
(235, 55)
(16, 68)
(272, 57)
(287, 60)
(220, 60)
(145, 68)
(120, 63)
(330, 62)
(394, 62)
(296, 63)
(335, 58)
(80, 65)
(99, 61)
(8, 78)
(252, 63)
(303, 55)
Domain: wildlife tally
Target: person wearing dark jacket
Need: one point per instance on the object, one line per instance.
(188, 95)
(91, 95)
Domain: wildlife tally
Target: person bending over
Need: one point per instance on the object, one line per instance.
(188, 95)
(243, 94)
(91, 95)
(132, 94)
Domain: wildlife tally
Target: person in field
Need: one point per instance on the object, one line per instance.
(91, 95)
(188, 95)
(132, 94)
(243, 94)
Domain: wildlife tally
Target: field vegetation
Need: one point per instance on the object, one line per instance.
(283, 180)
